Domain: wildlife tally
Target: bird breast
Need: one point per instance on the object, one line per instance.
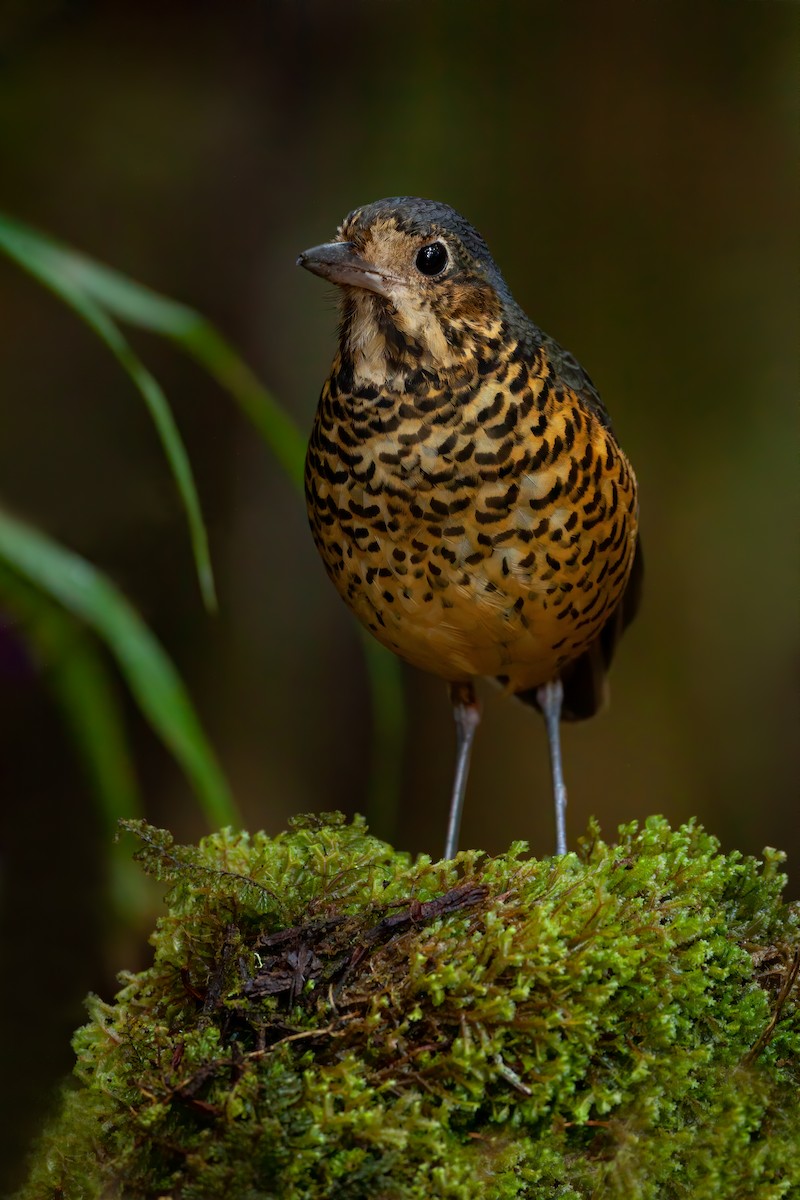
(486, 529)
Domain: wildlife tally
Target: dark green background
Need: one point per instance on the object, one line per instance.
(632, 167)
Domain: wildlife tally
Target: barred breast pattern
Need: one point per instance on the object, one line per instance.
(482, 525)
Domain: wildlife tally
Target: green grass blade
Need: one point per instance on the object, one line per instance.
(156, 686)
(138, 305)
(132, 302)
(79, 680)
(129, 301)
(86, 694)
(85, 691)
(51, 266)
(207, 347)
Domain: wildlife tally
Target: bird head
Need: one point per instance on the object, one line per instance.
(419, 287)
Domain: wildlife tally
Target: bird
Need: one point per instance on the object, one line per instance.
(465, 488)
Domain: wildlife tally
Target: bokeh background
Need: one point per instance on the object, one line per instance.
(633, 167)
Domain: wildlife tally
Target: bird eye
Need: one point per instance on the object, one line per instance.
(432, 259)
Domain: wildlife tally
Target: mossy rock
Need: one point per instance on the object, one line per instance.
(326, 1018)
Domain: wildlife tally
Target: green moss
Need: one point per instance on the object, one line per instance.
(326, 1018)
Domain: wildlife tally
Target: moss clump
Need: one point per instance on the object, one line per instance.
(325, 1018)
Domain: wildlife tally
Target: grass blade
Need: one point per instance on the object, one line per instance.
(108, 291)
(156, 686)
(385, 674)
(87, 697)
(51, 266)
(81, 684)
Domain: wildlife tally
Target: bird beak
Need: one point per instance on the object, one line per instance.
(340, 263)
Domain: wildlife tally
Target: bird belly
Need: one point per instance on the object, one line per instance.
(463, 636)
(510, 584)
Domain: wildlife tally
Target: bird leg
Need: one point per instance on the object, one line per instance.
(550, 696)
(467, 717)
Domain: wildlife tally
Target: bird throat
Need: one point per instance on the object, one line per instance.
(385, 344)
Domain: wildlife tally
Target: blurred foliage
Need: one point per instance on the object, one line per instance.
(77, 282)
(325, 1018)
(37, 575)
(88, 595)
(78, 678)
(94, 292)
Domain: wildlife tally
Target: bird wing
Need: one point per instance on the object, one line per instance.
(569, 372)
(584, 679)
